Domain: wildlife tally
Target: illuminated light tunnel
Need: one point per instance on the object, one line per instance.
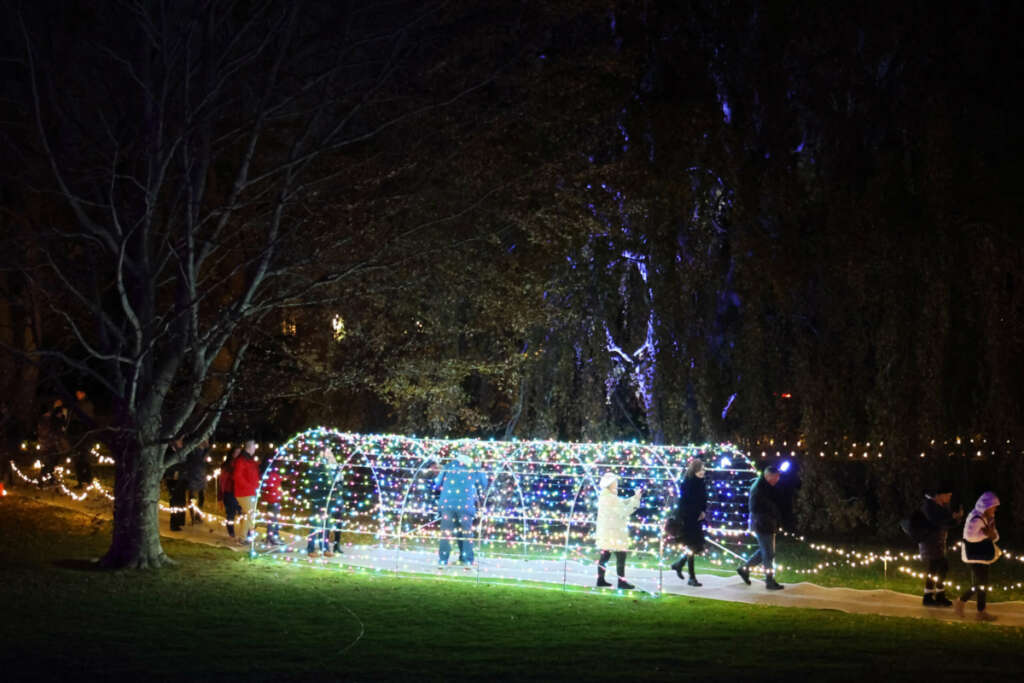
(535, 517)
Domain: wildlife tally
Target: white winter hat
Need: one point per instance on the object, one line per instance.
(607, 480)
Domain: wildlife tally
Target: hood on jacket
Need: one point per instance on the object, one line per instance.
(985, 501)
(607, 480)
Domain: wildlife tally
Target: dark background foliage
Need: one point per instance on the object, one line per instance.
(704, 220)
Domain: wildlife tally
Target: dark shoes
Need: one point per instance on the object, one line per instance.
(744, 574)
(694, 582)
(936, 600)
(677, 567)
(622, 584)
(773, 585)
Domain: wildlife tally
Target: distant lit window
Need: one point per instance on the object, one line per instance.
(338, 327)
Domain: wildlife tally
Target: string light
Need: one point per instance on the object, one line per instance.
(539, 505)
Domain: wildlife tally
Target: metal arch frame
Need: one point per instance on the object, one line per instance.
(425, 459)
(414, 455)
(490, 487)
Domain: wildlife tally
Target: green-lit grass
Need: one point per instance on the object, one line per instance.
(791, 554)
(217, 614)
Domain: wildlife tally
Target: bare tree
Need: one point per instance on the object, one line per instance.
(188, 147)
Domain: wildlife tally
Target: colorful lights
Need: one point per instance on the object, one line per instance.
(539, 504)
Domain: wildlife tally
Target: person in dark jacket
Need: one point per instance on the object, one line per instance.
(195, 480)
(690, 511)
(82, 422)
(938, 521)
(764, 523)
(174, 477)
(9, 444)
(53, 442)
(226, 490)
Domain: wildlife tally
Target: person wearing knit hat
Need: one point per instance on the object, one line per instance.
(936, 520)
(979, 550)
(612, 533)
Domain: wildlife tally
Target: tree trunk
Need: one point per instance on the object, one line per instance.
(136, 539)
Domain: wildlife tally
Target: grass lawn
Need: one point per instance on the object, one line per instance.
(219, 615)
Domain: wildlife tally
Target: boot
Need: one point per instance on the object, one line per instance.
(985, 616)
(627, 586)
(677, 567)
(941, 600)
(771, 584)
(601, 583)
(928, 600)
(694, 582)
(744, 574)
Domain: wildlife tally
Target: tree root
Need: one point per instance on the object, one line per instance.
(137, 561)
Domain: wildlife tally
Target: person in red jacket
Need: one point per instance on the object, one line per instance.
(226, 490)
(270, 492)
(246, 478)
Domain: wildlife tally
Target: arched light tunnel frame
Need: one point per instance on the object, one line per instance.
(584, 462)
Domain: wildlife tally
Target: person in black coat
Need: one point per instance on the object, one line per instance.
(938, 520)
(690, 511)
(195, 481)
(765, 516)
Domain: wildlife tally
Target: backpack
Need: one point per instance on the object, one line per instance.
(916, 526)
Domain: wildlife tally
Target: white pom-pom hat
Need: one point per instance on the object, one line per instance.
(607, 480)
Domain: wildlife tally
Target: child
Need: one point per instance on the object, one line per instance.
(270, 492)
(612, 534)
(979, 549)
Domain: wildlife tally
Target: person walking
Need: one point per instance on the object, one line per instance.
(460, 483)
(81, 426)
(690, 511)
(979, 550)
(226, 490)
(51, 432)
(612, 532)
(937, 520)
(764, 523)
(174, 477)
(8, 443)
(195, 480)
(246, 478)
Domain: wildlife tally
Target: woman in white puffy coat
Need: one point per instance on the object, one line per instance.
(612, 534)
(979, 550)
